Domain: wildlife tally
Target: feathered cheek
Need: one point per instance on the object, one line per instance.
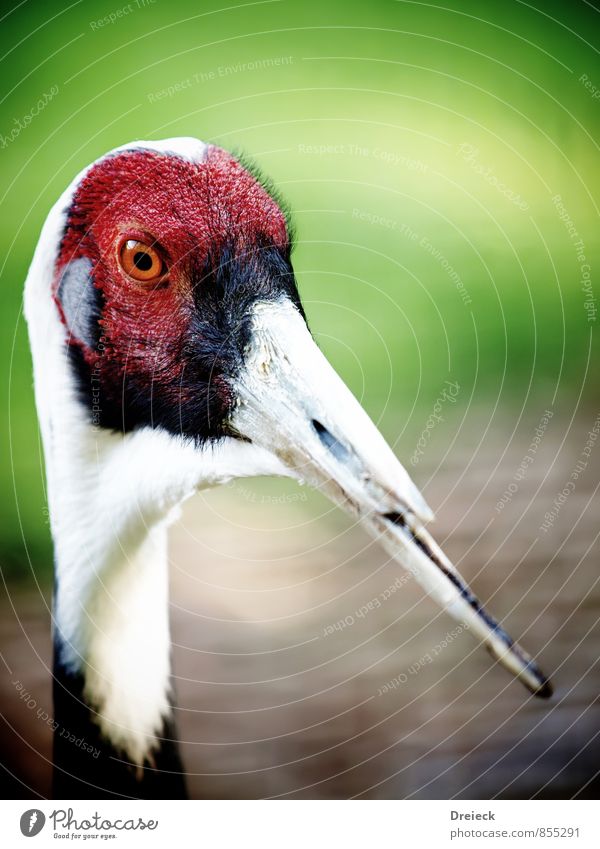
(78, 302)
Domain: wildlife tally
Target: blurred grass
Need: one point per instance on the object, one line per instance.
(357, 111)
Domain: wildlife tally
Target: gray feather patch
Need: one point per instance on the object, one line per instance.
(78, 299)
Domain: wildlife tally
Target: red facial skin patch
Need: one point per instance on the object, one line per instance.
(193, 213)
(189, 209)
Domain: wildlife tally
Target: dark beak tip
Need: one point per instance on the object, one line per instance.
(545, 691)
(544, 688)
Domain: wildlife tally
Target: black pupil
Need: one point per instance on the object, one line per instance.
(143, 261)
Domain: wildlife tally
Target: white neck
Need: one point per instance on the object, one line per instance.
(111, 499)
(111, 602)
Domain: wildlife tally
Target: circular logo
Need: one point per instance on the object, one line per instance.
(32, 822)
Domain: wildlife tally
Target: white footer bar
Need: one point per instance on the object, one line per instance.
(300, 824)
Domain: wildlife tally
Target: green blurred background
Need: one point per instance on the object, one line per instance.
(384, 124)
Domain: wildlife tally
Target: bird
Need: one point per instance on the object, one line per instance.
(171, 353)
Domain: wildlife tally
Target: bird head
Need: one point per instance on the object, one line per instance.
(175, 286)
(162, 260)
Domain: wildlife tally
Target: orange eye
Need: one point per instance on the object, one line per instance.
(141, 261)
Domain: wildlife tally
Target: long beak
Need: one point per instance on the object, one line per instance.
(292, 403)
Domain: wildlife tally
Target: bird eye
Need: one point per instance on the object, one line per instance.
(141, 261)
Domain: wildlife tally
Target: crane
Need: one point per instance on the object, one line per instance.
(171, 353)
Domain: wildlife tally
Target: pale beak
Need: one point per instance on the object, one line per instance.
(292, 403)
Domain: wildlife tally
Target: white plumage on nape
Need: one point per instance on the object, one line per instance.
(171, 354)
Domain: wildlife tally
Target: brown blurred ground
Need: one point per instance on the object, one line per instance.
(269, 705)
